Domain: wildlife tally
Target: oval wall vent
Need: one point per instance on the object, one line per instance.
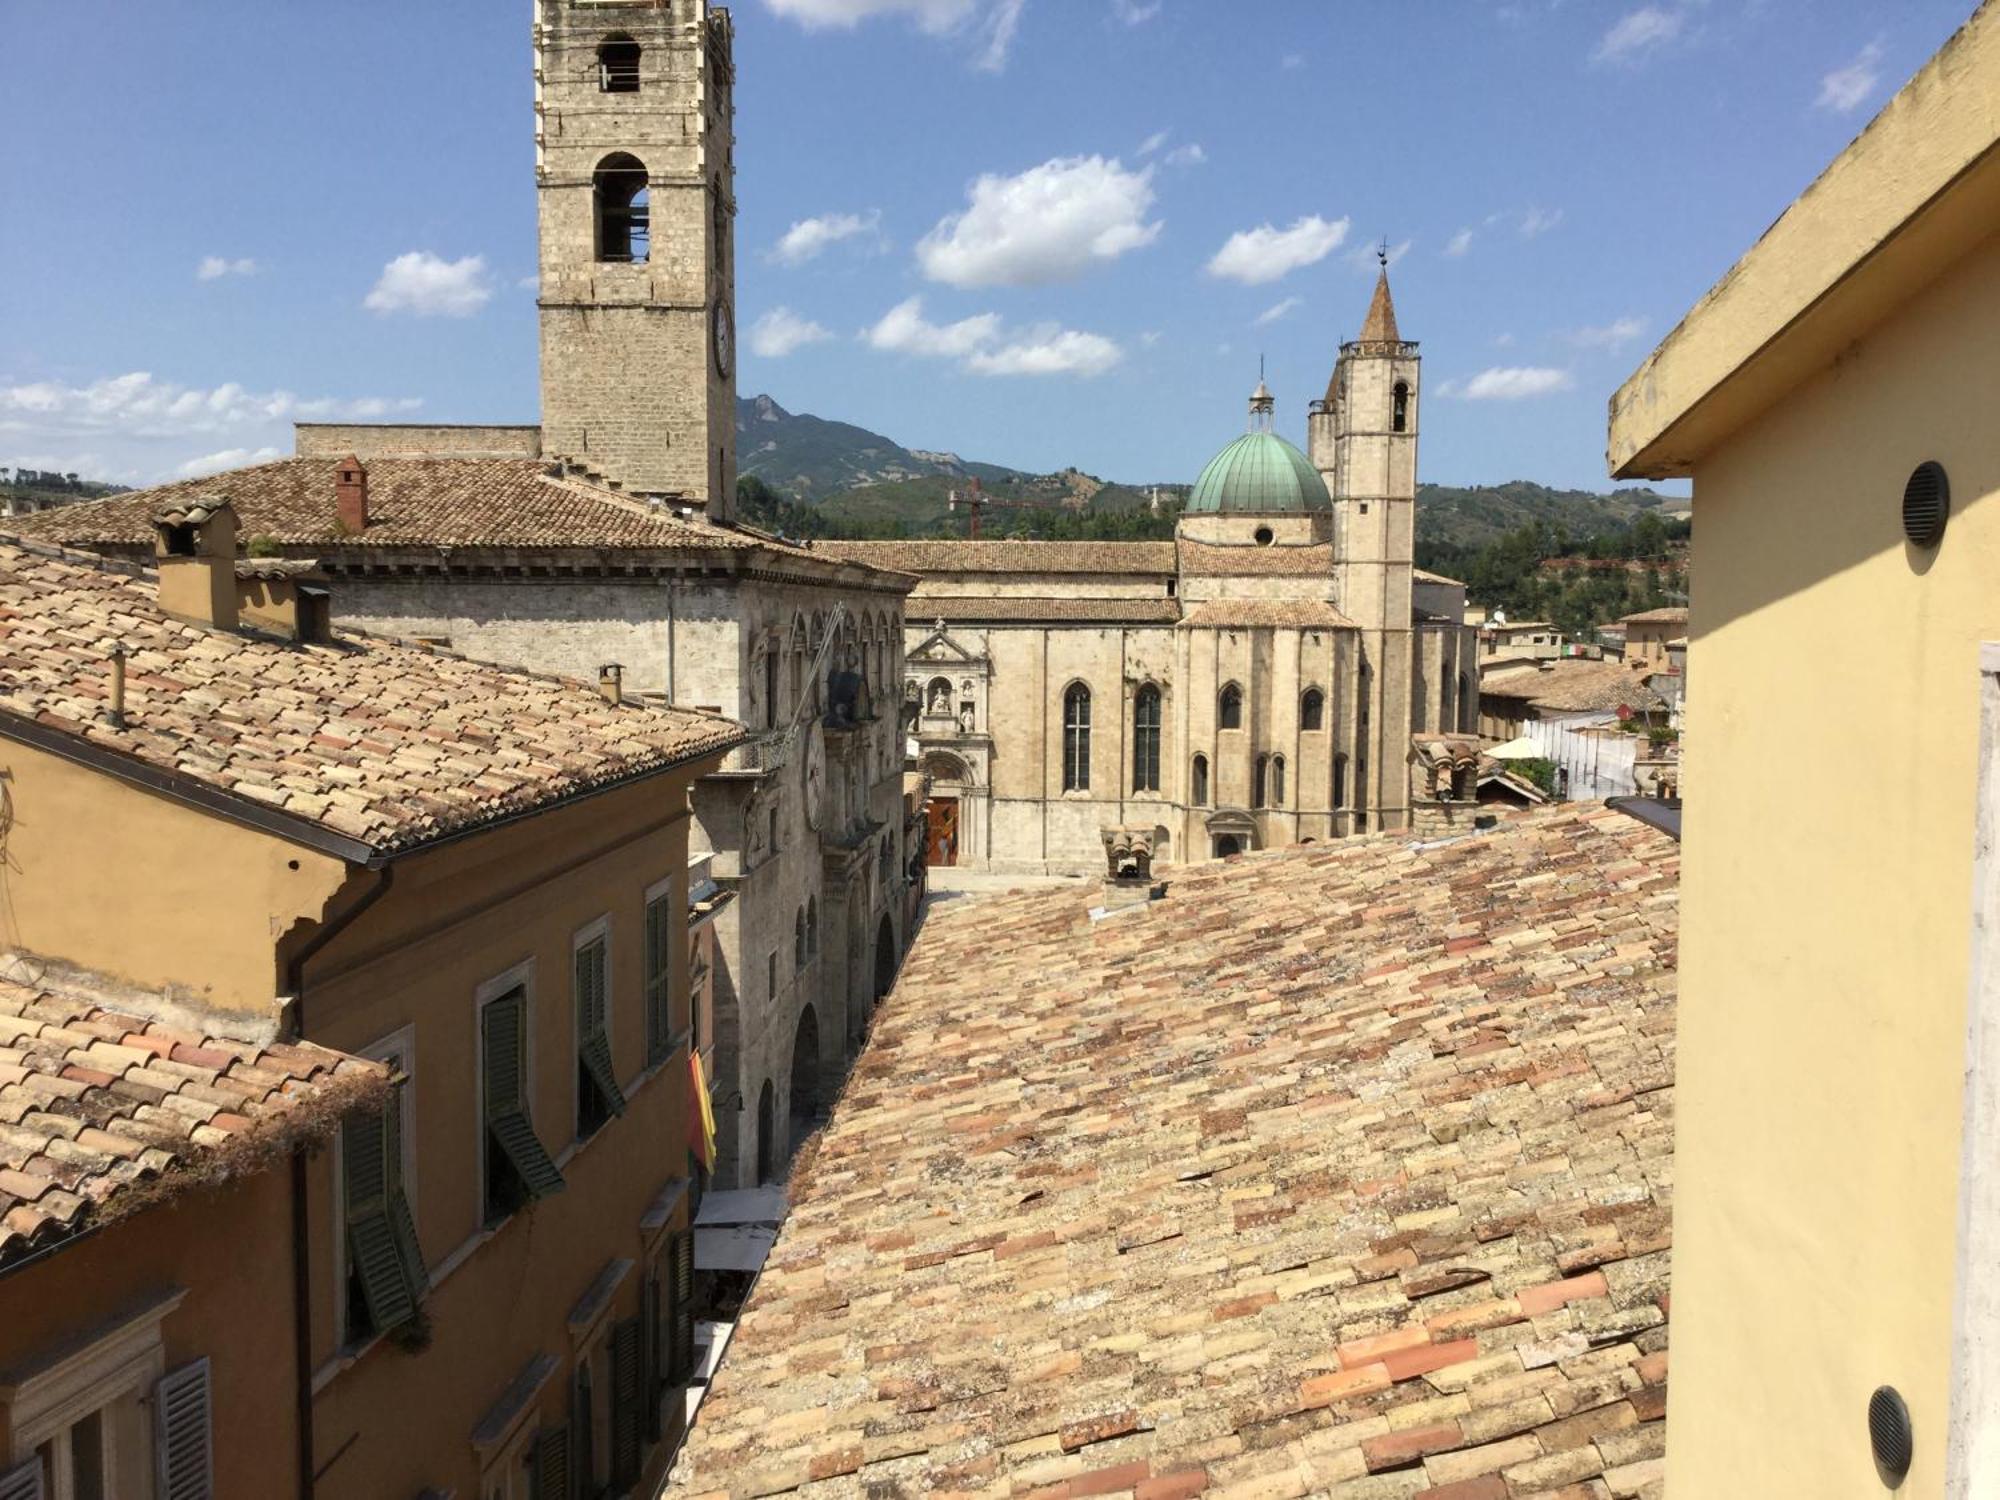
(1926, 505)
(1889, 1435)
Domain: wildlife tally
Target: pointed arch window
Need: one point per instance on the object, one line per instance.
(623, 201)
(1076, 738)
(618, 65)
(1339, 781)
(1260, 781)
(1312, 711)
(1277, 781)
(1229, 708)
(812, 927)
(1400, 412)
(1146, 740)
(1198, 782)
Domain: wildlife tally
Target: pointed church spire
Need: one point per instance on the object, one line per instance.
(1380, 326)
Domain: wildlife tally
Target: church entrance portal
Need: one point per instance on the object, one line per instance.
(943, 816)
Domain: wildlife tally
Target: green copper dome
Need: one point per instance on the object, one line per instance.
(1260, 471)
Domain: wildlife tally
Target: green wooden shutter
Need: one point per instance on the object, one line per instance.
(372, 1241)
(627, 1391)
(402, 1223)
(552, 1464)
(683, 1306)
(504, 1024)
(649, 1354)
(24, 1483)
(593, 1046)
(183, 1444)
(659, 999)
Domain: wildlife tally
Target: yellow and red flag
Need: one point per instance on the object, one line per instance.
(701, 1128)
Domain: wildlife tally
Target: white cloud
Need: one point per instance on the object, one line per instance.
(997, 34)
(1153, 143)
(1279, 313)
(1265, 254)
(1136, 12)
(1510, 383)
(1613, 335)
(1049, 352)
(985, 346)
(904, 330)
(1640, 32)
(136, 429)
(934, 16)
(215, 267)
(428, 286)
(1845, 90)
(228, 458)
(1538, 221)
(781, 331)
(1190, 155)
(1458, 244)
(1292, 61)
(807, 238)
(1050, 223)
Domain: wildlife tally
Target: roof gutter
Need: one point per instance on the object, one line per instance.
(213, 800)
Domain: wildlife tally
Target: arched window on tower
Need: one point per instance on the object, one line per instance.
(1146, 740)
(1277, 781)
(618, 65)
(1229, 708)
(1468, 710)
(1312, 711)
(719, 227)
(1260, 781)
(624, 210)
(1400, 416)
(1198, 782)
(1076, 738)
(1339, 782)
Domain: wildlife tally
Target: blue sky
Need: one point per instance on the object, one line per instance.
(1035, 232)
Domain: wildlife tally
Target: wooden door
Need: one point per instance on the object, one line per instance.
(943, 813)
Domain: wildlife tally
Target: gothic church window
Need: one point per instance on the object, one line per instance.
(1146, 740)
(624, 210)
(1198, 790)
(1400, 416)
(1277, 781)
(1076, 738)
(1229, 710)
(1260, 783)
(1312, 710)
(618, 65)
(1340, 781)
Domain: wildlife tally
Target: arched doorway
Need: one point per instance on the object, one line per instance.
(805, 1078)
(1228, 844)
(767, 1128)
(885, 960)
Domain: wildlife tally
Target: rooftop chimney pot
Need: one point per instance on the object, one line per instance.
(350, 488)
(611, 682)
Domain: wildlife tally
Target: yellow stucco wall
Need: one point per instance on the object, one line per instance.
(1826, 904)
(143, 888)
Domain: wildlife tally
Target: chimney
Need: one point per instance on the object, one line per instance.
(350, 489)
(611, 682)
(194, 547)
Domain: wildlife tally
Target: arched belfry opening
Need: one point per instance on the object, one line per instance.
(622, 200)
(805, 1078)
(1399, 411)
(618, 65)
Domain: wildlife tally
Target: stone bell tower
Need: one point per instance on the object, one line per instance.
(1363, 440)
(635, 176)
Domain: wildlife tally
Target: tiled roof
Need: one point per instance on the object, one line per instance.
(1574, 684)
(103, 1112)
(1256, 562)
(954, 610)
(1254, 614)
(412, 502)
(1670, 616)
(1344, 1170)
(381, 742)
(1006, 557)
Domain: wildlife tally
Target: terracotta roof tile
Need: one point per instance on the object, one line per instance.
(954, 610)
(1248, 1191)
(1256, 562)
(1007, 557)
(1575, 684)
(103, 1152)
(387, 743)
(1253, 614)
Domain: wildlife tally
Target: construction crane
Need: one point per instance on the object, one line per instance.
(975, 501)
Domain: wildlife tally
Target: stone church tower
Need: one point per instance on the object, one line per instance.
(1363, 439)
(635, 171)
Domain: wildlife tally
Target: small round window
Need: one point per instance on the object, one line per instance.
(1926, 505)
(1265, 536)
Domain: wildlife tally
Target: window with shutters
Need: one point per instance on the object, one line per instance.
(586, 1445)
(386, 1280)
(548, 1465)
(104, 1420)
(628, 1395)
(598, 1096)
(516, 1167)
(659, 961)
(680, 1305)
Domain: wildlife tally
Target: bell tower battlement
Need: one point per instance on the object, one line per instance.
(635, 179)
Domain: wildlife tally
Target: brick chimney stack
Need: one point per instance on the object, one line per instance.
(350, 488)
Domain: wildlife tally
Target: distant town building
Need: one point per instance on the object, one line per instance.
(1644, 637)
(1251, 684)
(1837, 1204)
